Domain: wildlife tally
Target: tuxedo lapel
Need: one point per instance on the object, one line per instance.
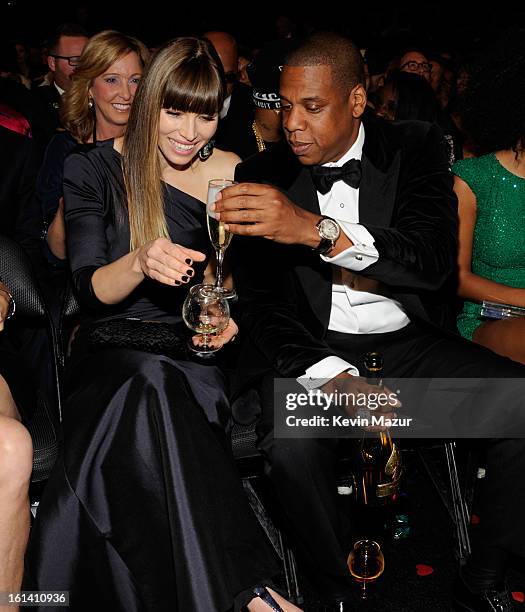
(302, 192)
(377, 192)
(314, 274)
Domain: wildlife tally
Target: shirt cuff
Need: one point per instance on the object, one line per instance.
(359, 256)
(324, 370)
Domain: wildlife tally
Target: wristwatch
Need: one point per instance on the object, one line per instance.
(329, 232)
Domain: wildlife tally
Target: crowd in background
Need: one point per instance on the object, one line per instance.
(75, 87)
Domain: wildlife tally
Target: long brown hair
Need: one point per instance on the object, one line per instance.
(101, 52)
(184, 75)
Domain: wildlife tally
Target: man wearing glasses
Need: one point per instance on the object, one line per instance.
(415, 62)
(64, 50)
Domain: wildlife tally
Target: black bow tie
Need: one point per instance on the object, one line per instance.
(324, 177)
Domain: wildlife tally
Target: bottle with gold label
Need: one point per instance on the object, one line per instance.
(379, 459)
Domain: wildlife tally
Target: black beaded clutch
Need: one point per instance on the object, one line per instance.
(149, 336)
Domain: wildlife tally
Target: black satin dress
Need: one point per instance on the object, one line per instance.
(146, 510)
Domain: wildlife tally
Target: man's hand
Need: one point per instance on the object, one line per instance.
(365, 398)
(250, 209)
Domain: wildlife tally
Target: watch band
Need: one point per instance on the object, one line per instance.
(325, 246)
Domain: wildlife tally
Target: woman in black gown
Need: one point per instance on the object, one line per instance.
(146, 511)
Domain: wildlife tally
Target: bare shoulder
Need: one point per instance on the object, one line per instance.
(118, 143)
(222, 163)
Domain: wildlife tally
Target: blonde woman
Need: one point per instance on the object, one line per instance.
(95, 107)
(147, 491)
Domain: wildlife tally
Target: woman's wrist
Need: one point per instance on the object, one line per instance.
(12, 304)
(136, 266)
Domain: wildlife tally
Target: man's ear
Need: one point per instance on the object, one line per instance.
(357, 100)
(51, 62)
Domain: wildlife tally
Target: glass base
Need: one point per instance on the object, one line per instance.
(201, 351)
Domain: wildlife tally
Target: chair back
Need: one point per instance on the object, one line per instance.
(17, 273)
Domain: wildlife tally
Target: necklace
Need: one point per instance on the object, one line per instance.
(261, 145)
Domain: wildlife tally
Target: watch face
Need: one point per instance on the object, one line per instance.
(328, 228)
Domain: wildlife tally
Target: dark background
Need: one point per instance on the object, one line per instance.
(453, 25)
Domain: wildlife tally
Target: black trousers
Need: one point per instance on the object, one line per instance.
(303, 470)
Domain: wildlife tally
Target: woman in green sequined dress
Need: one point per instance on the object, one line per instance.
(491, 194)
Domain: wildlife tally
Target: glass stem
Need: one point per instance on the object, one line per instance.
(363, 590)
(220, 259)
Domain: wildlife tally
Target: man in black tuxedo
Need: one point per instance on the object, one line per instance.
(64, 50)
(234, 132)
(347, 239)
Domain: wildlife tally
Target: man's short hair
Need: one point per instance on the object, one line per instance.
(334, 50)
(65, 29)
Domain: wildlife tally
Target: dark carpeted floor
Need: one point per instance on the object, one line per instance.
(430, 543)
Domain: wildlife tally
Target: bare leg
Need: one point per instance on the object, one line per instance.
(16, 462)
(505, 337)
(258, 605)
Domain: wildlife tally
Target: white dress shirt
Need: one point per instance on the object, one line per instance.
(354, 310)
(225, 107)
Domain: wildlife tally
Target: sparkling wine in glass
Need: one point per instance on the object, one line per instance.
(206, 312)
(220, 238)
(366, 563)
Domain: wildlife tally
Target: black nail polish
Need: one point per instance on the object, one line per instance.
(184, 278)
(188, 261)
(177, 282)
(189, 272)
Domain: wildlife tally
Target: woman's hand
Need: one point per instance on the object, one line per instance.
(218, 341)
(166, 262)
(160, 259)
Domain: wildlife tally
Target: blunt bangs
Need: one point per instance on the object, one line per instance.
(195, 87)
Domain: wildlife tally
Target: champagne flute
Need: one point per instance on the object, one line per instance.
(366, 563)
(220, 238)
(206, 312)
